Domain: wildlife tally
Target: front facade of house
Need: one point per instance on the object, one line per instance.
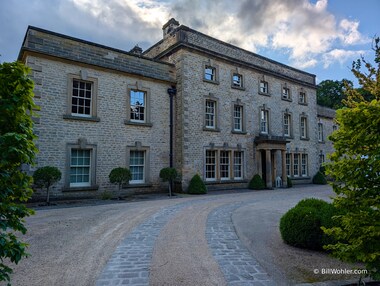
(234, 113)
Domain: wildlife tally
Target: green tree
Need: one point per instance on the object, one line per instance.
(16, 148)
(45, 177)
(330, 93)
(355, 168)
(169, 175)
(120, 176)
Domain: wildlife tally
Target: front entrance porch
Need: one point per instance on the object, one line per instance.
(270, 159)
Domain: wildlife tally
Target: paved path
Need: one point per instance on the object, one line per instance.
(161, 251)
(193, 240)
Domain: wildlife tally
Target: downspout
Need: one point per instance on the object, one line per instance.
(172, 92)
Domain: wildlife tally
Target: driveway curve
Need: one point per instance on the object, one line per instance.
(189, 240)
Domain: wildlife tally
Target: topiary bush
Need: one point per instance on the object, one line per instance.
(289, 182)
(45, 177)
(256, 183)
(312, 203)
(120, 176)
(197, 186)
(169, 175)
(301, 225)
(319, 179)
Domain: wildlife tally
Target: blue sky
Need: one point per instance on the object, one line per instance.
(322, 37)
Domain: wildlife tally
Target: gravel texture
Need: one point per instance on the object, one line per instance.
(178, 241)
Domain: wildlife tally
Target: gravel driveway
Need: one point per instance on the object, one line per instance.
(224, 238)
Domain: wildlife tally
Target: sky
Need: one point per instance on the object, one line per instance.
(322, 37)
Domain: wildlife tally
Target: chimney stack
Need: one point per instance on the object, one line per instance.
(169, 27)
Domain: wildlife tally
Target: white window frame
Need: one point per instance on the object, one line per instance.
(210, 73)
(143, 180)
(210, 114)
(320, 132)
(287, 125)
(303, 127)
(302, 97)
(238, 165)
(304, 165)
(296, 165)
(288, 164)
(132, 106)
(211, 165)
(237, 80)
(264, 87)
(224, 165)
(285, 93)
(264, 121)
(238, 118)
(81, 166)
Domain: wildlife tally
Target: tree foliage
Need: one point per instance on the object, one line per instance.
(16, 148)
(355, 168)
(45, 177)
(120, 176)
(330, 93)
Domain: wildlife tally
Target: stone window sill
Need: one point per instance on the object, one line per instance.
(211, 81)
(239, 132)
(80, 189)
(264, 93)
(145, 124)
(211, 129)
(238, 87)
(73, 117)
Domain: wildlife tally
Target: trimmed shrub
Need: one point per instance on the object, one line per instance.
(312, 203)
(45, 177)
(120, 176)
(289, 182)
(301, 225)
(169, 175)
(319, 179)
(197, 186)
(256, 183)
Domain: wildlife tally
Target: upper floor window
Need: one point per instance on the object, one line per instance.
(137, 106)
(210, 114)
(237, 80)
(320, 132)
(303, 127)
(286, 93)
(210, 73)
(264, 118)
(302, 98)
(264, 87)
(82, 97)
(238, 118)
(287, 124)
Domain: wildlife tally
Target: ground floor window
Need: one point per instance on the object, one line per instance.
(304, 165)
(288, 160)
(297, 164)
(238, 165)
(210, 165)
(223, 165)
(137, 166)
(80, 168)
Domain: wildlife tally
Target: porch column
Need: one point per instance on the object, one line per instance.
(268, 170)
(284, 176)
(258, 163)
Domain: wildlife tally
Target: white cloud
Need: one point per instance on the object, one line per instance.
(340, 56)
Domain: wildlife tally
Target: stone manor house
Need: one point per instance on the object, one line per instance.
(190, 101)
